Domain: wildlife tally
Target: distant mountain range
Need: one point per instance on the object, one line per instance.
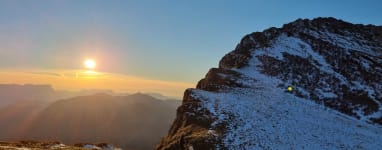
(13, 93)
(136, 121)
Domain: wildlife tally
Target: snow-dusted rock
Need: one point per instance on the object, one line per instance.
(335, 69)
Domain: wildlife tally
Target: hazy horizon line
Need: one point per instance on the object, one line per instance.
(79, 80)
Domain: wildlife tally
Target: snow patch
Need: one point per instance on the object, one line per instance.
(324, 94)
(89, 146)
(57, 146)
(190, 147)
(212, 132)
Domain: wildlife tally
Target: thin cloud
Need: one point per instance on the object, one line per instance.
(47, 73)
(84, 79)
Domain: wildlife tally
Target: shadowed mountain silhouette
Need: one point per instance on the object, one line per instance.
(135, 121)
(12, 93)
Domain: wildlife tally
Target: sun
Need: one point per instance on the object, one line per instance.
(90, 64)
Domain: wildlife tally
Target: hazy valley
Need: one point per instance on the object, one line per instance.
(134, 121)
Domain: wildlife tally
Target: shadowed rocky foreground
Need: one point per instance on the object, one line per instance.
(42, 145)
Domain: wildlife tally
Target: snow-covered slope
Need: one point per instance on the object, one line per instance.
(334, 68)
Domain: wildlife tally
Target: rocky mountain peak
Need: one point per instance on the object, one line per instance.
(334, 68)
(369, 35)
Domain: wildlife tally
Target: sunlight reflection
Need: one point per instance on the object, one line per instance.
(88, 74)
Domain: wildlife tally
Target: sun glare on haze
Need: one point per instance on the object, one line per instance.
(90, 64)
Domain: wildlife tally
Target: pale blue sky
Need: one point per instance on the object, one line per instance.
(174, 40)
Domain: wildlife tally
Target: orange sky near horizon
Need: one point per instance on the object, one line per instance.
(74, 80)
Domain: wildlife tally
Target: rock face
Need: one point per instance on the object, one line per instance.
(335, 71)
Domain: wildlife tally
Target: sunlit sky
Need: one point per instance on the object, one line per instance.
(171, 42)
